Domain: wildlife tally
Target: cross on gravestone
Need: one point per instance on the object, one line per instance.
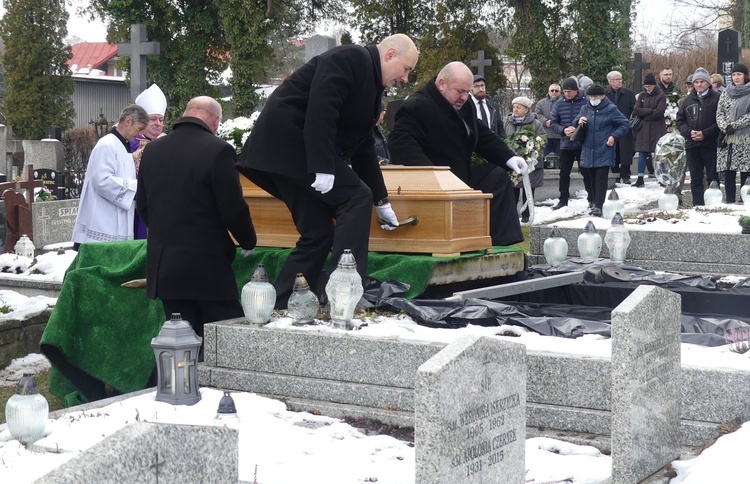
(138, 49)
(156, 465)
(480, 62)
(638, 66)
(729, 53)
(18, 208)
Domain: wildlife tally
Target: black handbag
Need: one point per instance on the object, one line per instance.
(635, 123)
(579, 134)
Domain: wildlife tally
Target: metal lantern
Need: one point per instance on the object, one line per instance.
(226, 415)
(344, 289)
(24, 247)
(612, 205)
(176, 352)
(258, 297)
(27, 411)
(555, 247)
(303, 304)
(101, 125)
(617, 239)
(712, 195)
(589, 243)
(668, 200)
(745, 192)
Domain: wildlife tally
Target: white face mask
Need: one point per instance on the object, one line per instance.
(595, 102)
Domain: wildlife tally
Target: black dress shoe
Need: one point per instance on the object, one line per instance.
(597, 212)
(525, 219)
(626, 181)
(560, 205)
(592, 205)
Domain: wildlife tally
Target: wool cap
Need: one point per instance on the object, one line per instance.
(585, 82)
(523, 101)
(701, 74)
(649, 80)
(689, 80)
(479, 77)
(740, 67)
(570, 84)
(595, 90)
(152, 100)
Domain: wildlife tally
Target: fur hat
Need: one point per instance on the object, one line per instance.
(595, 90)
(701, 74)
(523, 101)
(152, 100)
(570, 84)
(649, 80)
(740, 67)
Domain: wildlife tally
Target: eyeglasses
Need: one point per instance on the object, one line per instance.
(554, 90)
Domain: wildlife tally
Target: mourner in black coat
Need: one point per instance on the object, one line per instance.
(436, 126)
(312, 147)
(624, 99)
(189, 195)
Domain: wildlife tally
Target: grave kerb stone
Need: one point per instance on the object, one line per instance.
(470, 413)
(646, 383)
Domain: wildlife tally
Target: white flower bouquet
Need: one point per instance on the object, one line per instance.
(235, 131)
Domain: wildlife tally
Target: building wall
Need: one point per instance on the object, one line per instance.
(92, 94)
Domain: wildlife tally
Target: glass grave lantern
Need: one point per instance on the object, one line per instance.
(26, 412)
(589, 243)
(258, 297)
(303, 304)
(555, 247)
(344, 289)
(24, 247)
(176, 352)
(612, 205)
(712, 195)
(745, 192)
(226, 415)
(668, 200)
(617, 239)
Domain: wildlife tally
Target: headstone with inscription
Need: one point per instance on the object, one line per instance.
(53, 221)
(646, 383)
(317, 44)
(51, 180)
(470, 413)
(730, 50)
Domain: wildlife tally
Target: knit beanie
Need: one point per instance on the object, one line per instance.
(570, 84)
(595, 90)
(649, 80)
(585, 82)
(523, 101)
(740, 67)
(701, 74)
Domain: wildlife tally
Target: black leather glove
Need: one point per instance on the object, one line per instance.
(730, 129)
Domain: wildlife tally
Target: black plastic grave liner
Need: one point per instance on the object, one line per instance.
(583, 308)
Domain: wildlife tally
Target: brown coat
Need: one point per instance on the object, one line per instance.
(651, 108)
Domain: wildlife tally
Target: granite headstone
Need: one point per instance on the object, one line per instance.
(730, 49)
(646, 383)
(44, 154)
(317, 44)
(470, 413)
(53, 221)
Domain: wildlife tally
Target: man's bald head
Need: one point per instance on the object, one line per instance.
(398, 57)
(205, 108)
(454, 82)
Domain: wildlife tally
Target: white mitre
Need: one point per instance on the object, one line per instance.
(152, 100)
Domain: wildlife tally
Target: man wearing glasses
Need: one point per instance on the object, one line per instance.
(543, 113)
(624, 99)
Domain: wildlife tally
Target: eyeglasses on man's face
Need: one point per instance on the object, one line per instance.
(554, 90)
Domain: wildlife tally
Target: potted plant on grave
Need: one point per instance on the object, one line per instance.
(744, 222)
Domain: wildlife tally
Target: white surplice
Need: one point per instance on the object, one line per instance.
(106, 209)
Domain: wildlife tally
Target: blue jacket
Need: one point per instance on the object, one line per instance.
(603, 121)
(562, 116)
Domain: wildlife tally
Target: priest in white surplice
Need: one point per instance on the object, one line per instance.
(106, 209)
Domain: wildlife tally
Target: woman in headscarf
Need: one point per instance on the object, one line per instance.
(733, 119)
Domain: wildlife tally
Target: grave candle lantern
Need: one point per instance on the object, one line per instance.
(712, 195)
(612, 205)
(226, 415)
(745, 192)
(555, 247)
(258, 297)
(617, 239)
(303, 303)
(344, 289)
(176, 352)
(26, 412)
(668, 200)
(24, 247)
(589, 243)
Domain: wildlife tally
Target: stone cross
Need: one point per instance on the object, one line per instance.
(480, 62)
(730, 47)
(138, 49)
(156, 465)
(638, 66)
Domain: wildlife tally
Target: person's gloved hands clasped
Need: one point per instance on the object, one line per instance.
(323, 182)
(386, 213)
(730, 129)
(518, 165)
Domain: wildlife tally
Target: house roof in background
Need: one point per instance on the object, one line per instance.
(92, 55)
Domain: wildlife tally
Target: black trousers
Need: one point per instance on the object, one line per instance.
(198, 313)
(567, 158)
(597, 184)
(313, 214)
(505, 228)
(700, 159)
(730, 183)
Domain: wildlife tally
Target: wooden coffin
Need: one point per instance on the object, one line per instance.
(453, 217)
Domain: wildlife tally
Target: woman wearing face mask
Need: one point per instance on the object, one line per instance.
(650, 105)
(733, 118)
(605, 124)
(520, 117)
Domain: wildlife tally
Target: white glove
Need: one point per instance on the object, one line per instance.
(323, 182)
(386, 213)
(517, 164)
(246, 252)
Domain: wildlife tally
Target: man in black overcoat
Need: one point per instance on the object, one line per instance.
(189, 195)
(624, 99)
(436, 126)
(312, 148)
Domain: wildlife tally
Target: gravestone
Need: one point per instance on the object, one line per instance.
(53, 221)
(317, 44)
(138, 49)
(51, 180)
(53, 132)
(149, 452)
(646, 383)
(730, 50)
(44, 154)
(480, 63)
(470, 413)
(638, 66)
